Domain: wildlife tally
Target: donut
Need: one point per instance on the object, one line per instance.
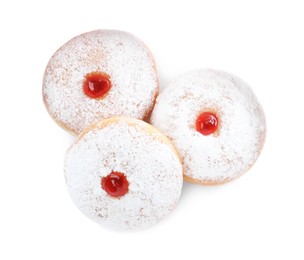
(98, 75)
(123, 174)
(216, 123)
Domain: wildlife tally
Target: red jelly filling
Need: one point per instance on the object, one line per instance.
(96, 84)
(207, 123)
(115, 184)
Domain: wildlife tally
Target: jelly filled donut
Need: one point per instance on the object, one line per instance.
(215, 122)
(97, 75)
(123, 173)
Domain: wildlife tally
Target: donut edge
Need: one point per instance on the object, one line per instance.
(137, 123)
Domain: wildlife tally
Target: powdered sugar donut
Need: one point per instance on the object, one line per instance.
(215, 122)
(123, 173)
(97, 75)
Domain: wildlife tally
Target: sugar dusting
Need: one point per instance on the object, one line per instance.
(151, 166)
(118, 54)
(222, 156)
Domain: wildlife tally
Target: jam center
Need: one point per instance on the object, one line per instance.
(96, 84)
(115, 184)
(207, 123)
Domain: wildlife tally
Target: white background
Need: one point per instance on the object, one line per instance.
(259, 216)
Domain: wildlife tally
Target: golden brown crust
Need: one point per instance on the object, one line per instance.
(147, 116)
(205, 182)
(62, 125)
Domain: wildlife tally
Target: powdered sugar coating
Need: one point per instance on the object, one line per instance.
(147, 159)
(122, 56)
(233, 149)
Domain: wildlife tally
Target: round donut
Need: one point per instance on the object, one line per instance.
(124, 174)
(98, 75)
(214, 121)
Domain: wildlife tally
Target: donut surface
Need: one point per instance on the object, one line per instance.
(229, 151)
(143, 155)
(122, 59)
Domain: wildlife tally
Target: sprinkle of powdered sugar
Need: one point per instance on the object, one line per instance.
(122, 56)
(151, 165)
(231, 151)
